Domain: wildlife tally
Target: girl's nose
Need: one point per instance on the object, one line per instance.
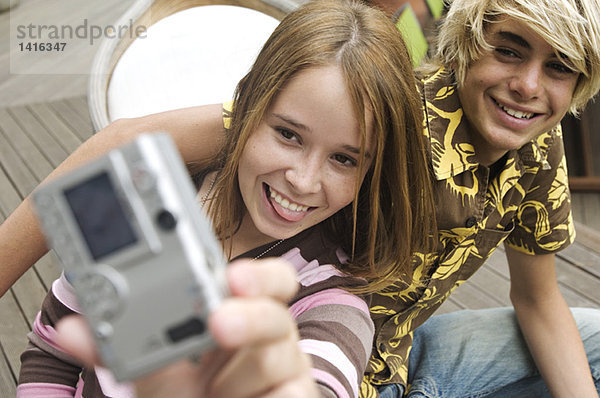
(305, 176)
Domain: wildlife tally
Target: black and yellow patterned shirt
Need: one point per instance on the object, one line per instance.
(526, 204)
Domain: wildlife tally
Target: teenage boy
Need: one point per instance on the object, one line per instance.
(505, 73)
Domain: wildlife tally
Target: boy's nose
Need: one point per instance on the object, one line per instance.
(527, 82)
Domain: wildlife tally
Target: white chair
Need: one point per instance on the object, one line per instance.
(191, 53)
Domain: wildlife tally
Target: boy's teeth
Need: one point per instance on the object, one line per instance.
(517, 114)
(286, 203)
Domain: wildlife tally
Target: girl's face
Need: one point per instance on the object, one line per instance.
(300, 166)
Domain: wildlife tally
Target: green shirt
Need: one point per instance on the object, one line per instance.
(526, 204)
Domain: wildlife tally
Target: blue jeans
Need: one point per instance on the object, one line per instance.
(481, 353)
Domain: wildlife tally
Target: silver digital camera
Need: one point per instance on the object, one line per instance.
(143, 260)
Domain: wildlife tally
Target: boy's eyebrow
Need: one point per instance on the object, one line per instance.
(513, 37)
(519, 40)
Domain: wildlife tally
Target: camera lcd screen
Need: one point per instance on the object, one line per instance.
(100, 216)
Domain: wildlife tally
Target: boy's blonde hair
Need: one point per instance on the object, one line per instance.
(571, 27)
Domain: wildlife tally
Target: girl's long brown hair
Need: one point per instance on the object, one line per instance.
(392, 214)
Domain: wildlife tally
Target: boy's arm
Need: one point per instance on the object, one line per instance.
(197, 131)
(548, 325)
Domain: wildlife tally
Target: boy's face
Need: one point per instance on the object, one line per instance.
(515, 92)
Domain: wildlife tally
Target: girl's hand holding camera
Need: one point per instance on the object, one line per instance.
(258, 355)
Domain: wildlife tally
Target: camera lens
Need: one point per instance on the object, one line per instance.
(166, 220)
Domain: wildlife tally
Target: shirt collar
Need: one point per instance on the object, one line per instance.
(449, 132)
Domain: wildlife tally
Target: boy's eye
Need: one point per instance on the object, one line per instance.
(561, 68)
(505, 52)
(344, 160)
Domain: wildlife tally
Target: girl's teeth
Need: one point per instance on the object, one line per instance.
(286, 203)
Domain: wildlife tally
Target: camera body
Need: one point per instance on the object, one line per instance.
(145, 265)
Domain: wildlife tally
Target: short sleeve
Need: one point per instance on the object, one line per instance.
(543, 221)
(227, 110)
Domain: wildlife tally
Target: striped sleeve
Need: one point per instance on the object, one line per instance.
(335, 326)
(46, 370)
(337, 332)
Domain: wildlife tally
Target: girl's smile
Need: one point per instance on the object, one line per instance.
(285, 207)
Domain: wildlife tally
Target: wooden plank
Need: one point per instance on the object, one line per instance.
(498, 264)
(448, 306)
(578, 280)
(581, 257)
(493, 284)
(15, 169)
(39, 134)
(13, 334)
(575, 282)
(577, 207)
(29, 293)
(574, 298)
(80, 105)
(588, 237)
(24, 89)
(55, 125)
(33, 159)
(470, 295)
(48, 269)
(72, 118)
(591, 210)
(9, 198)
(7, 380)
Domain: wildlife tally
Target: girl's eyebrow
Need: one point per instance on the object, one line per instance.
(356, 150)
(300, 126)
(294, 123)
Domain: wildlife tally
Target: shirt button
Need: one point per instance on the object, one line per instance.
(382, 347)
(471, 221)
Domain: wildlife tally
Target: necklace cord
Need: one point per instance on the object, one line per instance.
(203, 202)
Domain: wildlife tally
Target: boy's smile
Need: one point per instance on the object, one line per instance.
(514, 92)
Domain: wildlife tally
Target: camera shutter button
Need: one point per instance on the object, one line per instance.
(103, 330)
(143, 178)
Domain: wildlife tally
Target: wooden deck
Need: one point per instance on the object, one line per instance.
(51, 83)
(36, 138)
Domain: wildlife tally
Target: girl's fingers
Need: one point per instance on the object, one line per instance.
(260, 369)
(257, 337)
(75, 337)
(269, 277)
(239, 322)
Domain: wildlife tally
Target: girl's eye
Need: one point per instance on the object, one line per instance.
(344, 160)
(287, 134)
